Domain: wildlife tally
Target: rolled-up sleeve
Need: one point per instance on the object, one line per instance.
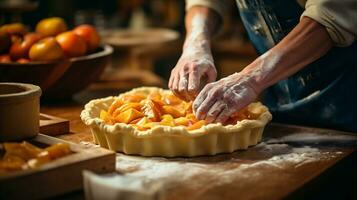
(219, 6)
(338, 16)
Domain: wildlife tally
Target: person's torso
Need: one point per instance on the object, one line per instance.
(319, 95)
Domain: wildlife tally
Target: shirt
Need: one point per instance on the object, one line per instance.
(337, 16)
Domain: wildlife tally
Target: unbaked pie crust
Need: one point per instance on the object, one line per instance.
(168, 141)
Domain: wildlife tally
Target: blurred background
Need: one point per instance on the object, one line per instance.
(147, 36)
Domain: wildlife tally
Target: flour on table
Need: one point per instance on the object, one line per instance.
(88, 144)
(202, 177)
(161, 168)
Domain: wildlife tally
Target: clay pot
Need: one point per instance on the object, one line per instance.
(19, 111)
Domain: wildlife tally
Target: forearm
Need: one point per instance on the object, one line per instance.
(307, 42)
(196, 66)
(201, 24)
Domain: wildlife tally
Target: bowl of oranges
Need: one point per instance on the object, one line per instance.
(61, 61)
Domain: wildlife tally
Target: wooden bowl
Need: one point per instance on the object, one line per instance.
(123, 39)
(59, 79)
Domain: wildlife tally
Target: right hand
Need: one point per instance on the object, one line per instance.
(192, 72)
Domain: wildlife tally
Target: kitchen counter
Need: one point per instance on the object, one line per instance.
(291, 162)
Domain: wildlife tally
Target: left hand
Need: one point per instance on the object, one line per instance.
(219, 100)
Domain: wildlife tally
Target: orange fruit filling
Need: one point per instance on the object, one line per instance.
(20, 156)
(145, 111)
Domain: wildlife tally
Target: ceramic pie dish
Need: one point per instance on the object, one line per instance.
(173, 141)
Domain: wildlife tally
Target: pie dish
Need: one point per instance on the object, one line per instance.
(160, 138)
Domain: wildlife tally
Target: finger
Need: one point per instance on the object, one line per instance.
(205, 106)
(174, 89)
(215, 110)
(201, 97)
(172, 75)
(183, 85)
(211, 75)
(193, 85)
(224, 115)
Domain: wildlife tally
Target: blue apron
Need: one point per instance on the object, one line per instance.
(322, 94)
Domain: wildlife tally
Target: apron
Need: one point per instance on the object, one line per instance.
(324, 93)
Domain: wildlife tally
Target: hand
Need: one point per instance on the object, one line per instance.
(219, 100)
(194, 69)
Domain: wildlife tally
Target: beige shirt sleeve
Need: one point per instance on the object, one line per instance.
(338, 16)
(220, 6)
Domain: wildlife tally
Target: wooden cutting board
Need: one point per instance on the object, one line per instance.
(51, 125)
(60, 176)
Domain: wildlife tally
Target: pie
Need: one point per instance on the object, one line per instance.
(150, 121)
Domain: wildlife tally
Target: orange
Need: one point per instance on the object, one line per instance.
(14, 29)
(89, 35)
(51, 26)
(20, 49)
(46, 49)
(72, 44)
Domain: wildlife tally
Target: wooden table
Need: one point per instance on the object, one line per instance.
(291, 162)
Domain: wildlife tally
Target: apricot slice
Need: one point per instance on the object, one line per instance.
(21, 156)
(136, 120)
(115, 105)
(255, 112)
(11, 163)
(134, 97)
(155, 96)
(188, 107)
(143, 121)
(128, 116)
(151, 110)
(106, 117)
(182, 121)
(171, 99)
(167, 120)
(240, 115)
(173, 111)
(37, 162)
(141, 124)
(196, 125)
(22, 150)
(56, 151)
(125, 107)
(191, 117)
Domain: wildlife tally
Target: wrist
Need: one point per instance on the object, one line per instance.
(198, 42)
(263, 72)
(246, 79)
(197, 50)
